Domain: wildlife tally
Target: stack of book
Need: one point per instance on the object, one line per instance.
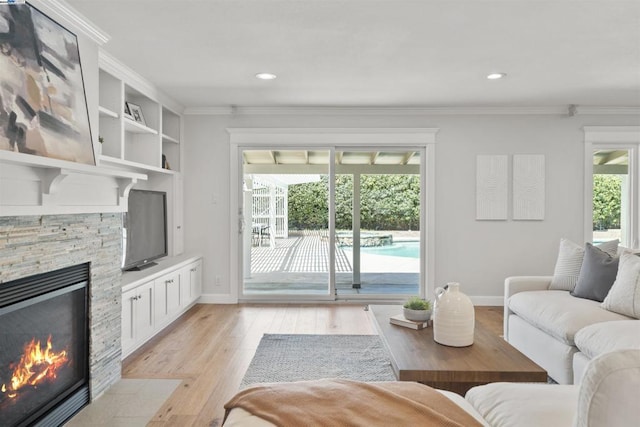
(400, 320)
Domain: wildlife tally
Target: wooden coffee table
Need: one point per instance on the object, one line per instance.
(415, 356)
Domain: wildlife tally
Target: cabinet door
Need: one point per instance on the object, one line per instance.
(143, 311)
(160, 299)
(128, 330)
(178, 231)
(191, 282)
(195, 281)
(185, 285)
(172, 286)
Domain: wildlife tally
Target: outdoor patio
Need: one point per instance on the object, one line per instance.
(299, 264)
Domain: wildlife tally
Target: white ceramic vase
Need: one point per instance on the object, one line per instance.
(453, 317)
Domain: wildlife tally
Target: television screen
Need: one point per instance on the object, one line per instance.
(145, 229)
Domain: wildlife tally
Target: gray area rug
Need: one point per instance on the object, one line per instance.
(284, 358)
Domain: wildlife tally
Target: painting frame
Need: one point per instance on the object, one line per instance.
(135, 111)
(43, 102)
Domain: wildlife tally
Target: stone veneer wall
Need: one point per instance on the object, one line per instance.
(37, 244)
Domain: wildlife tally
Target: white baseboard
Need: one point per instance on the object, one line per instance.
(229, 299)
(493, 301)
(217, 299)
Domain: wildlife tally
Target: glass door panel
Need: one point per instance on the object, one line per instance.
(377, 215)
(286, 226)
(286, 211)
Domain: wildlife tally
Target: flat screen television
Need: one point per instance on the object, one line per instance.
(144, 233)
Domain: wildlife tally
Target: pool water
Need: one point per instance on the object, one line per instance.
(401, 249)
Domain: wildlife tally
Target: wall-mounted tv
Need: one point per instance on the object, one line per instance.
(144, 233)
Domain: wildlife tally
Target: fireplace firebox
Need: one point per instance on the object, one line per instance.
(44, 347)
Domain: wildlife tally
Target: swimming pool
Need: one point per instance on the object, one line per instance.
(401, 249)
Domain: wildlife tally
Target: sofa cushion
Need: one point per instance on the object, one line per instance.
(569, 263)
(525, 405)
(605, 337)
(597, 274)
(558, 313)
(609, 391)
(624, 295)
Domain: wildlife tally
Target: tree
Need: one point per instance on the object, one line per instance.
(606, 201)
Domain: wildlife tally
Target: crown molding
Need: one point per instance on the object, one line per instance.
(319, 136)
(115, 67)
(611, 134)
(618, 111)
(61, 10)
(209, 111)
(408, 111)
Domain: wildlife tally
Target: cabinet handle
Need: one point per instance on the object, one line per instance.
(193, 270)
(134, 298)
(140, 296)
(168, 281)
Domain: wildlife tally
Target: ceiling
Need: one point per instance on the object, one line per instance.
(368, 53)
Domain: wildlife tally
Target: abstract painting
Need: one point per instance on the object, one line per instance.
(491, 187)
(528, 187)
(43, 109)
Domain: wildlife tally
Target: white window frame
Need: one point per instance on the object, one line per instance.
(611, 137)
(322, 138)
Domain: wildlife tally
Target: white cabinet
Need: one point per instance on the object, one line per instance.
(155, 297)
(191, 282)
(137, 315)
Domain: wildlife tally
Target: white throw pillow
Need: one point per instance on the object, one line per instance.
(624, 295)
(569, 263)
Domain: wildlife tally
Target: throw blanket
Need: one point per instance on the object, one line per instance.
(341, 402)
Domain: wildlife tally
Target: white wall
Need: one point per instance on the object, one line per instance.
(478, 254)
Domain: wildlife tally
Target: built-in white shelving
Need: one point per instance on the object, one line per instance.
(141, 131)
(149, 140)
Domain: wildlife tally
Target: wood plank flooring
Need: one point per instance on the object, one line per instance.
(211, 346)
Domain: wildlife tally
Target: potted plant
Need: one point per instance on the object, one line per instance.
(417, 309)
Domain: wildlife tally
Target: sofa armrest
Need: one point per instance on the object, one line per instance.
(515, 284)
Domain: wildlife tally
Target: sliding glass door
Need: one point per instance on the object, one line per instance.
(335, 223)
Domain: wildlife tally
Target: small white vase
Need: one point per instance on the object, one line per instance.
(453, 317)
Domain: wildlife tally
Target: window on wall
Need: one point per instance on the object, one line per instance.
(612, 199)
(611, 196)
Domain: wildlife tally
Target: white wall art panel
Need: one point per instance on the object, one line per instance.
(528, 187)
(491, 187)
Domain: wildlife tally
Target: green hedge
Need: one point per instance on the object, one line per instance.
(392, 202)
(388, 202)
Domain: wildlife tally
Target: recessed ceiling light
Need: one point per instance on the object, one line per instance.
(266, 76)
(496, 76)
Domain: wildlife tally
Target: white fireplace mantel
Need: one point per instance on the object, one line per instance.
(35, 185)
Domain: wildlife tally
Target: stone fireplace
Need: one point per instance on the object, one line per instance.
(31, 245)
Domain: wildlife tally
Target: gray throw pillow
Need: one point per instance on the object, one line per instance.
(597, 274)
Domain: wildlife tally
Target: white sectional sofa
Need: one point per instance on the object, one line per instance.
(560, 332)
(607, 397)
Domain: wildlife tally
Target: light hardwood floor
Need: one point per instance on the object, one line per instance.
(211, 346)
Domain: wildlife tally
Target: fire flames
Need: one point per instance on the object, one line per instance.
(36, 365)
